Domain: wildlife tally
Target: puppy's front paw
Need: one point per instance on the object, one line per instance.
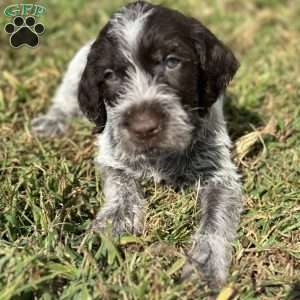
(120, 223)
(209, 259)
(48, 126)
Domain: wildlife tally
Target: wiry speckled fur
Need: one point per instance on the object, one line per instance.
(195, 150)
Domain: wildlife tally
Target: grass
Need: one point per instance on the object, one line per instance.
(50, 191)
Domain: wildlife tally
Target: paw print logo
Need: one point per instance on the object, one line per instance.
(24, 32)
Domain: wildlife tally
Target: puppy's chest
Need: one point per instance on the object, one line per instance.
(168, 171)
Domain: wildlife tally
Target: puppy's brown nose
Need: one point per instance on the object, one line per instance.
(144, 124)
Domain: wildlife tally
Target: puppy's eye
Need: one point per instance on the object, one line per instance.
(172, 62)
(110, 75)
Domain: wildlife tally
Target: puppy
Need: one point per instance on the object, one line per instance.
(153, 83)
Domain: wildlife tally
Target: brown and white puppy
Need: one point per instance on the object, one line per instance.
(153, 83)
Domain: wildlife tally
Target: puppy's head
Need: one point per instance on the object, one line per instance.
(150, 75)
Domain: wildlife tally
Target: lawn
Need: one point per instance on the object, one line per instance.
(50, 190)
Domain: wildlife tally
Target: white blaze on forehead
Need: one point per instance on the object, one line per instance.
(127, 26)
(140, 86)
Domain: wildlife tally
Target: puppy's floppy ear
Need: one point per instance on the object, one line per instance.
(217, 65)
(90, 92)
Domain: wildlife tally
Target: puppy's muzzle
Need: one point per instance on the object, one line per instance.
(144, 123)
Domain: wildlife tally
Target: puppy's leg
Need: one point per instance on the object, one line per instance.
(64, 103)
(124, 203)
(221, 206)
